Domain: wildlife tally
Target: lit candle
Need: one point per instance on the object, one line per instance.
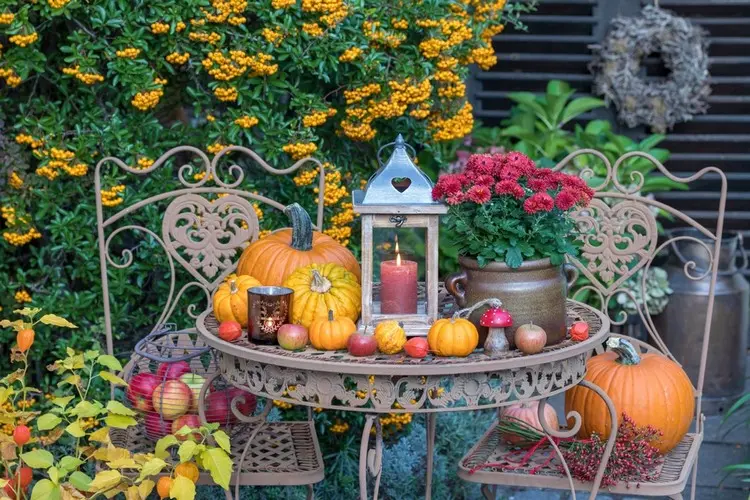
(398, 285)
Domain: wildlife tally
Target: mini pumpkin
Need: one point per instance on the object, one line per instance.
(230, 299)
(651, 388)
(453, 337)
(273, 258)
(319, 288)
(528, 413)
(390, 336)
(331, 333)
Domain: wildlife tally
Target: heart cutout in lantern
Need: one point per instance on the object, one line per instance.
(401, 184)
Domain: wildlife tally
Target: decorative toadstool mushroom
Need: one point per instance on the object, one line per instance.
(497, 320)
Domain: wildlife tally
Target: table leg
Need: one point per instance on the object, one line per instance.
(370, 461)
(431, 421)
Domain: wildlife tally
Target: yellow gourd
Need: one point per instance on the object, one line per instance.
(453, 337)
(319, 288)
(390, 337)
(331, 333)
(230, 299)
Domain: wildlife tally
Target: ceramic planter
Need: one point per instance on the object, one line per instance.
(533, 293)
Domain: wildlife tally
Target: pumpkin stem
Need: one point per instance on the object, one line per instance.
(627, 355)
(233, 287)
(302, 232)
(330, 315)
(319, 283)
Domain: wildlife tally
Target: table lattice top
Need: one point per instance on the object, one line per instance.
(401, 364)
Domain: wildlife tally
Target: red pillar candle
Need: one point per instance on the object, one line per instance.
(398, 287)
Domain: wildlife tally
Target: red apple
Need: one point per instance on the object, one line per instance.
(172, 371)
(157, 427)
(360, 344)
(140, 389)
(195, 382)
(191, 421)
(172, 399)
(292, 337)
(218, 407)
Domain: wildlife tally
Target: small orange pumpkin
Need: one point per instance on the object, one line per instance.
(651, 388)
(230, 299)
(331, 334)
(279, 254)
(453, 337)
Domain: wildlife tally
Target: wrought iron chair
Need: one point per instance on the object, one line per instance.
(619, 237)
(205, 222)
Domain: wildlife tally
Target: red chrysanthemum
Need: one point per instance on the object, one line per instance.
(484, 180)
(455, 199)
(538, 202)
(520, 161)
(480, 164)
(566, 199)
(447, 185)
(479, 194)
(510, 187)
(578, 186)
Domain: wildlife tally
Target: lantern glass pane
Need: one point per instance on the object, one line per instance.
(399, 280)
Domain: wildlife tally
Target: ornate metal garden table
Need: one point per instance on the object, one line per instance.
(382, 384)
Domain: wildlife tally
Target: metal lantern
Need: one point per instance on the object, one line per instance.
(398, 197)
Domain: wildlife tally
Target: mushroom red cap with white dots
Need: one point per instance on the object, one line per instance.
(496, 317)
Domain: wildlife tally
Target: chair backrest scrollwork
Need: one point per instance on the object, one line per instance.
(205, 222)
(619, 236)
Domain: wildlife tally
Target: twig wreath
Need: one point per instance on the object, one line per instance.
(658, 104)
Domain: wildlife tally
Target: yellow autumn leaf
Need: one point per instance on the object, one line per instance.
(182, 489)
(105, 480)
(146, 487)
(123, 463)
(100, 435)
(152, 468)
(133, 494)
(51, 319)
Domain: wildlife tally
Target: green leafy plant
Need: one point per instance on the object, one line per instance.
(75, 419)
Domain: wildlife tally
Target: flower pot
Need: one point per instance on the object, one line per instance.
(532, 293)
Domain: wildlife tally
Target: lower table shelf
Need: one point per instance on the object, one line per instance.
(671, 479)
(282, 453)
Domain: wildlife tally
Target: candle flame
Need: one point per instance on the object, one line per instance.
(398, 254)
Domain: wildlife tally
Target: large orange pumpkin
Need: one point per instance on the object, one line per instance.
(650, 388)
(272, 259)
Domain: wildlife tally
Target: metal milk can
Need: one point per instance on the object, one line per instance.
(682, 322)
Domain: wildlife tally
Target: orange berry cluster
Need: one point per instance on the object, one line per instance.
(128, 53)
(27, 139)
(215, 148)
(212, 38)
(178, 59)
(227, 11)
(306, 177)
(20, 239)
(159, 28)
(282, 4)
(7, 17)
(350, 54)
(11, 78)
(300, 150)
(143, 163)
(246, 121)
(85, 78)
(24, 40)
(380, 37)
(147, 100)
(333, 11)
(14, 180)
(225, 68)
(272, 36)
(312, 29)
(22, 296)
(317, 118)
(453, 127)
(226, 94)
(113, 196)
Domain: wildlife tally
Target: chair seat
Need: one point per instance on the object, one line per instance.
(282, 453)
(670, 478)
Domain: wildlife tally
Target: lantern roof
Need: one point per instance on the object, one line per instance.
(398, 182)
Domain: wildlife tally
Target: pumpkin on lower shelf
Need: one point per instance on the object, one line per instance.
(390, 336)
(331, 333)
(453, 337)
(273, 258)
(230, 299)
(319, 288)
(651, 388)
(528, 413)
